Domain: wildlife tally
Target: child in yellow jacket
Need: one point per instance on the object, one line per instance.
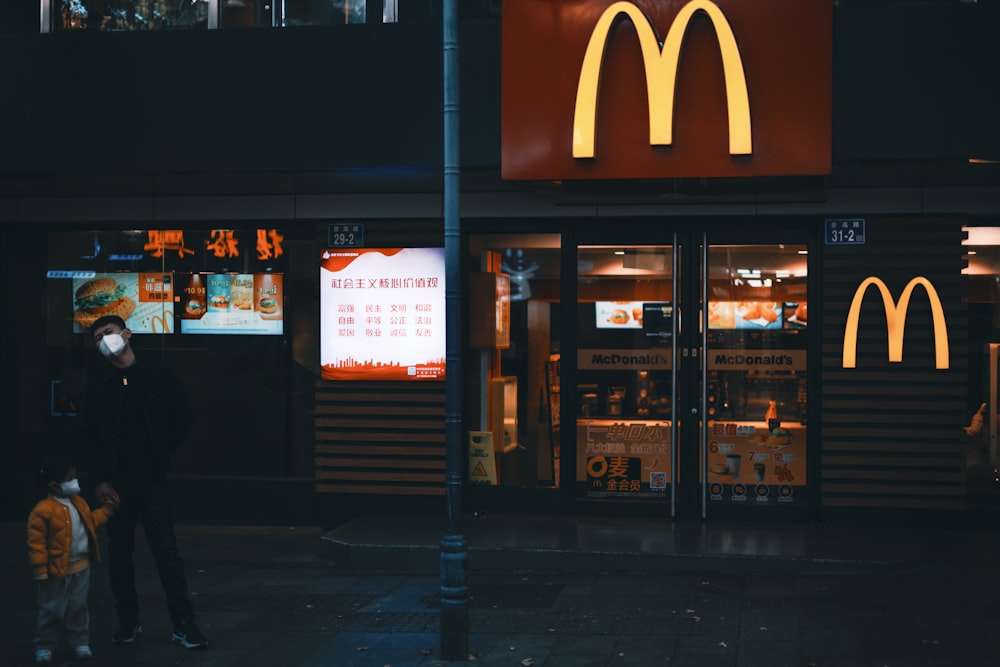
(62, 538)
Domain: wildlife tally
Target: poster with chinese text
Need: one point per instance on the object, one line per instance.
(382, 314)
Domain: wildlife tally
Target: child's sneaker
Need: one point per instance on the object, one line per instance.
(127, 633)
(186, 634)
(43, 656)
(83, 652)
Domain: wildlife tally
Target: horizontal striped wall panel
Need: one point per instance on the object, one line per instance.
(894, 501)
(385, 438)
(380, 489)
(891, 432)
(894, 475)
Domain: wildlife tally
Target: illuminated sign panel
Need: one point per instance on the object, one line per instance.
(895, 320)
(736, 89)
(382, 314)
(660, 66)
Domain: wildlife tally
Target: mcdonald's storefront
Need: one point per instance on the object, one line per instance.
(663, 357)
(719, 259)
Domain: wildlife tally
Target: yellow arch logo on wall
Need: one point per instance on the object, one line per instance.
(661, 76)
(895, 319)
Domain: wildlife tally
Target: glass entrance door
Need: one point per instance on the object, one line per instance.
(696, 409)
(626, 391)
(753, 376)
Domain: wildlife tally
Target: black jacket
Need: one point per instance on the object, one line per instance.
(165, 416)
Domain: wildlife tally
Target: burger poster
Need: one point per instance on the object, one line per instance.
(382, 314)
(144, 300)
(231, 303)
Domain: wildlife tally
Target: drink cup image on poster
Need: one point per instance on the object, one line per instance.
(382, 314)
(772, 459)
(143, 300)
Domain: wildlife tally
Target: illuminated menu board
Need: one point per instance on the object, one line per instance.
(618, 314)
(382, 314)
(231, 303)
(143, 300)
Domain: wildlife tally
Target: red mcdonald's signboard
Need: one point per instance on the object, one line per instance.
(634, 89)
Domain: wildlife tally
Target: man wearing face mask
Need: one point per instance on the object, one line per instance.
(138, 414)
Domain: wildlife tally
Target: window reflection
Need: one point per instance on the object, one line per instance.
(130, 15)
(322, 12)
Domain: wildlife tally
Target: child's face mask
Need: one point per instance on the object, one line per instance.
(112, 345)
(70, 488)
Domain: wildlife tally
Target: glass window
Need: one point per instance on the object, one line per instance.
(982, 452)
(514, 327)
(210, 303)
(623, 397)
(758, 319)
(130, 14)
(322, 12)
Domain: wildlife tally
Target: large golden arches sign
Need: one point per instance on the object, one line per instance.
(895, 319)
(661, 76)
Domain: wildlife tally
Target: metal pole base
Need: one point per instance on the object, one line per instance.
(454, 599)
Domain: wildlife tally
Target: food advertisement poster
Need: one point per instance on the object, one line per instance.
(382, 314)
(623, 459)
(144, 300)
(750, 464)
(231, 303)
(618, 314)
(753, 315)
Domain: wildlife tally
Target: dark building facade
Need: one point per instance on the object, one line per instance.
(631, 345)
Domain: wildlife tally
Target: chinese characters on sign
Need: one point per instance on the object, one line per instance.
(750, 463)
(382, 314)
(623, 459)
(166, 239)
(221, 243)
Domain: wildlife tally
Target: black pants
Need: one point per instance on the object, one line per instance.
(145, 500)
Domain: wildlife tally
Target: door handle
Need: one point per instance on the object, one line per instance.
(694, 411)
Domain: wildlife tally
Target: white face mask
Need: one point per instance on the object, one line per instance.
(112, 345)
(70, 488)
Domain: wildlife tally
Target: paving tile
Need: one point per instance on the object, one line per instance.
(267, 599)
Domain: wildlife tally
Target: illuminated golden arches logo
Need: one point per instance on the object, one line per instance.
(895, 320)
(661, 76)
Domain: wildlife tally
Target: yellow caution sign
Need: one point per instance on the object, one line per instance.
(482, 462)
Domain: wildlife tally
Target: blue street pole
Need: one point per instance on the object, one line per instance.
(454, 551)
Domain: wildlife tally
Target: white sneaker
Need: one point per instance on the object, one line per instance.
(43, 656)
(83, 652)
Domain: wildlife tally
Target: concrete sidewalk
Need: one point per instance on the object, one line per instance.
(278, 596)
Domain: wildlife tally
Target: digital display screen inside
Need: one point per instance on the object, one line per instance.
(618, 314)
(143, 300)
(231, 303)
